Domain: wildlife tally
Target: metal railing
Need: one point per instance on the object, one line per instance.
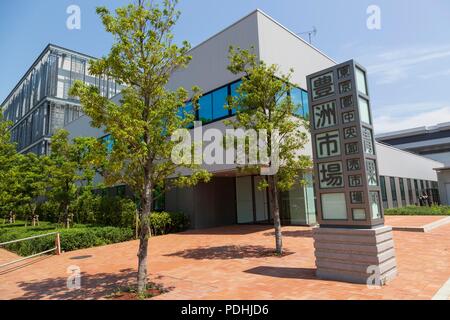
(56, 249)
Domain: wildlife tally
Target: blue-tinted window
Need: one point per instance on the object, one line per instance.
(296, 96)
(305, 104)
(205, 112)
(188, 108)
(219, 103)
(234, 88)
(108, 141)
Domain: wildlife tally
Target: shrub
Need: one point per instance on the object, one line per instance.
(116, 211)
(163, 223)
(94, 209)
(419, 211)
(79, 237)
(48, 211)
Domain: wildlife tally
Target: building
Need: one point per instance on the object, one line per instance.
(231, 198)
(444, 184)
(40, 103)
(430, 142)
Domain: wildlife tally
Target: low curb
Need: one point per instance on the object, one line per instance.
(426, 228)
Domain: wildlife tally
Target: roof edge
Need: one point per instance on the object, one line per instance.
(295, 35)
(257, 10)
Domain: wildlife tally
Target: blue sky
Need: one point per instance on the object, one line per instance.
(408, 59)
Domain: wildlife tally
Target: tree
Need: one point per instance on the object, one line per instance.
(8, 160)
(263, 103)
(30, 178)
(144, 56)
(72, 166)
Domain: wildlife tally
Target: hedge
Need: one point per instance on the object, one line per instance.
(79, 237)
(419, 211)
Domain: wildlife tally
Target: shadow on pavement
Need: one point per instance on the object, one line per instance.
(226, 253)
(282, 272)
(92, 287)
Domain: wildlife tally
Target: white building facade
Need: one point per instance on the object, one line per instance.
(231, 198)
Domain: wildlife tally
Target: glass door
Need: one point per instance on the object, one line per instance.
(244, 200)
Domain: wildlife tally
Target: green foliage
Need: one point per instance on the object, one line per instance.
(143, 57)
(71, 165)
(263, 103)
(419, 211)
(49, 211)
(115, 211)
(8, 170)
(94, 209)
(79, 237)
(164, 223)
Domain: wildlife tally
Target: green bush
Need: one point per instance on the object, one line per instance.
(164, 223)
(79, 237)
(419, 211)
(48, 211)
(94, 209)
(116, 211)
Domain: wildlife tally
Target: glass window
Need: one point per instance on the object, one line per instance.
(219, 102)
(205, 112)
(383, 188)
(234, 93)
(410, 191)
(393, 190)
(422, 187)
(244, 200)
(416, 186)
(364, 112)
(402, 191)
(305, 103)
(188, 108)
(296, 96)
(361, 81)
(108, 141)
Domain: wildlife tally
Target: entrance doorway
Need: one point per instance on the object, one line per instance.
(297, 206)
(252, 206)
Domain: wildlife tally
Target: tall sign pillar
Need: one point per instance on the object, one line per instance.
(352, 243)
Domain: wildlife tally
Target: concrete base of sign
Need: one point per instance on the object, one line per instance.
(355, 255)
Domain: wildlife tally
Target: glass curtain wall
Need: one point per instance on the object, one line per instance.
(35, 117)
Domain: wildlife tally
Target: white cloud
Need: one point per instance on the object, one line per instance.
(388, 123)
(395, 65)
(442, 73)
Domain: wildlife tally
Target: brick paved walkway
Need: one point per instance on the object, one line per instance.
(231, 263)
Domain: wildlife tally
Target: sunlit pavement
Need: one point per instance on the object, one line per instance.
(231, 263)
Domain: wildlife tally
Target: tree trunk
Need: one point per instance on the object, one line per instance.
(33, 215)
(275, 207)
(136, 235)
(146, 208)
(66, 216)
